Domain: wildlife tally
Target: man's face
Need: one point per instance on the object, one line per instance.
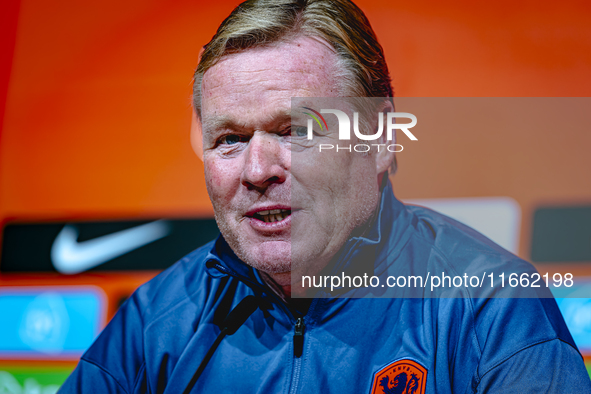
(277, 218)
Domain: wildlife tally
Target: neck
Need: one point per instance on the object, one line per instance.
(282, 287)
(281, 284)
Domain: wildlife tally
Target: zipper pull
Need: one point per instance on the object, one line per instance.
(298, 337)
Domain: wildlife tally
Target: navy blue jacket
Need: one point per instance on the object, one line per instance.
(468, 344)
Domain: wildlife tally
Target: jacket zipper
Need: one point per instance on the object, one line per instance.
(247, 281)
(298, 348)
(298, 337)
(300, 326)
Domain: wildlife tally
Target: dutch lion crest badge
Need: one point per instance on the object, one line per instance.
(400, 377)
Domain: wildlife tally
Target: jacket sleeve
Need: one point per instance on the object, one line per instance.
(549, 367)
(115, 361)
(91, 378)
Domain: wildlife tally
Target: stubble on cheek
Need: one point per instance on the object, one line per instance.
(270, 253)
(220, 195)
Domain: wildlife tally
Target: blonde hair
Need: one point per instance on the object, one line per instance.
(257, 23)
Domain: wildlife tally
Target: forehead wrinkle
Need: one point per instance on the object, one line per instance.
(271, 83)
(242, 69)
(246, 88)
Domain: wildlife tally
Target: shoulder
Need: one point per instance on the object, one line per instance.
(166, 302)
(460, 250)
(508, 323)
(185, 279)
(551, 366)
(451, 237)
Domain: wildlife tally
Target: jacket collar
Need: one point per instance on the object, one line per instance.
(383, 237)
(379, 246)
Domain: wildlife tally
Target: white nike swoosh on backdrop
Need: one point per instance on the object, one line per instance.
(71, 257)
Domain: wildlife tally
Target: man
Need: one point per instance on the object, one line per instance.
(287, 210)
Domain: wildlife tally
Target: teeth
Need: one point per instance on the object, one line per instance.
(273, 215)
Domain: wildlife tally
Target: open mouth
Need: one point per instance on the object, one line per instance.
(273, 215)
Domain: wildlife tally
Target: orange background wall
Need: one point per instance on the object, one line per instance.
(97, 113)
(95, 108)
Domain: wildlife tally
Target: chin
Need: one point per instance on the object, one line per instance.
(272, 257)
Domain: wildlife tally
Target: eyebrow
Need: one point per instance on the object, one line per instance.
(218, 122)
(228, 122)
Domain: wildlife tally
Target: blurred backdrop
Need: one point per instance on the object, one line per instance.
(96, 117)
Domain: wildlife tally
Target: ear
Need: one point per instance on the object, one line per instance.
(384, 158)
(196, 135)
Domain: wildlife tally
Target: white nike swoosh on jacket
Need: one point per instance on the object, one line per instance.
(71, 257)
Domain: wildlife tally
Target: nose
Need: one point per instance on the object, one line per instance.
(266, 162)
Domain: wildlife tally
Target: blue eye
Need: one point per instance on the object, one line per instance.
(300, 131)
(231, 139)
